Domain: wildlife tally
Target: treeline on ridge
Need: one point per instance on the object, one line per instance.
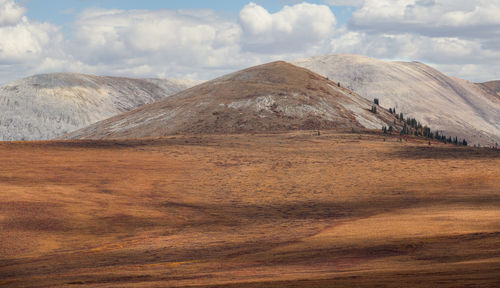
(412, 126)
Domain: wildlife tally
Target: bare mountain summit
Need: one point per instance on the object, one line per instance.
(454, 106)
(273, 97)
(50, 105)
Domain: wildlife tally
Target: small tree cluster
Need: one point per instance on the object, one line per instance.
(450, 140)
(412, 126)
(387, 130)
(400, 117)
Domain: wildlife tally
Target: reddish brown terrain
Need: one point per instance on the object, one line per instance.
(267, 210)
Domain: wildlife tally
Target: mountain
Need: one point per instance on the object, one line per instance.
(492, 87)
(273, 97)
(50, 105)
(454, 106)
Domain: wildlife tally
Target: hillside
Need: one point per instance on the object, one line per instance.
(49, 105)
(276, 96)
(453, 106)
(274, 210)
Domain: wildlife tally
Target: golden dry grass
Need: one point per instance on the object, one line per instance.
(276, 210)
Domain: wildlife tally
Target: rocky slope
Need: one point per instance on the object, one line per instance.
(453, 106)
(273, 97)
(50, 105)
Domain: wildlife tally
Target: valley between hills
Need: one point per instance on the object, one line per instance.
(284, 209)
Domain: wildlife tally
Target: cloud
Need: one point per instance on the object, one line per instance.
(444, 50)
(160, 39)
(23, 43)
(460, 38)
(472, 19)
(292, 29)
(198, 43)
(352, 3)
(10, 12)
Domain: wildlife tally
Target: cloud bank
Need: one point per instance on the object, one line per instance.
(458, 37)
(293, 29)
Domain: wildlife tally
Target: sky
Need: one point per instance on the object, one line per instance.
(200, 39)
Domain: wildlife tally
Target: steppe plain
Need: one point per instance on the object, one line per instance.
(288, 209)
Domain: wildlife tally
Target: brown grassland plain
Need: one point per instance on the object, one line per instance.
(267, 210)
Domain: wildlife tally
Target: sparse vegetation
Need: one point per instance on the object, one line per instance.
(412, 126)
(211, 210)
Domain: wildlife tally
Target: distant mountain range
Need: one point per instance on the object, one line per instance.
(50, 105)
(273, 97)
(451, 105)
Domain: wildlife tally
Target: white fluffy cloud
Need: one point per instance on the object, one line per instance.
(199, 44)
(23, 43)
(430, 17)
(441, 50)
(173, 35)
(157, 43)
(292, 29)
(10, 12)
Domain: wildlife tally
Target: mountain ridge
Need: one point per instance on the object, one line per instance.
(450, 105)
(276, 96)
(46, 106)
